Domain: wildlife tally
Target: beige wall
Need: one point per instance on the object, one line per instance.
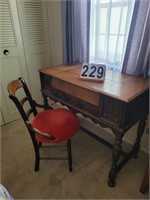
(55, 29)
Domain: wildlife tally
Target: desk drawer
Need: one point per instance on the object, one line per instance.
(76, 91)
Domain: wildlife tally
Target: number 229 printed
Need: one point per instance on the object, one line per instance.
(93, 71)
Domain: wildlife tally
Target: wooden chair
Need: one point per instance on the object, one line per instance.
(48, 126)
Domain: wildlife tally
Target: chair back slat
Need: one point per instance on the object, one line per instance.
(23, 100)
(29, 112)
(13, 87)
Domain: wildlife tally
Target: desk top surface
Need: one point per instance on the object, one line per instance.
(118, 85)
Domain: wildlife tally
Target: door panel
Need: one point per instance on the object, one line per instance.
(1, 118)
(35, 33)
(24, 36)
(13, 64)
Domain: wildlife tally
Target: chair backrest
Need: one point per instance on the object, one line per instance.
(13, 87)
(26, 110)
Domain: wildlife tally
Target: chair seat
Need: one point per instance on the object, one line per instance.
(59, 123)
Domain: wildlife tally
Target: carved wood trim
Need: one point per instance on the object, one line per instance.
(111, 110)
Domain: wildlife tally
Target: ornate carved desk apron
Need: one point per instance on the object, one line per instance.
(118, 103)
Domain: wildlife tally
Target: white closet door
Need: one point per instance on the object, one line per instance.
(12, 61)
(1, 118)
(35, 33)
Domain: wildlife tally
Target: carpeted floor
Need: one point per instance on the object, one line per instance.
(91, 164)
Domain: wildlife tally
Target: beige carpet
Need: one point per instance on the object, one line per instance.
(91, 164)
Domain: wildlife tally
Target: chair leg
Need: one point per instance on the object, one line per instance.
(37, 152)
(40, 144)
(37, 155)
(37, 159)
(69, 154)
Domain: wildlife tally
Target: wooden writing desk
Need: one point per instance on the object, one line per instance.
(118, 103)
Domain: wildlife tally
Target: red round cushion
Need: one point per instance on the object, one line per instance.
(60, 123)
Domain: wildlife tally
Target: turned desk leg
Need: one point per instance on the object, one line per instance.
(140, 131)
(115, 158)
(45, 100)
